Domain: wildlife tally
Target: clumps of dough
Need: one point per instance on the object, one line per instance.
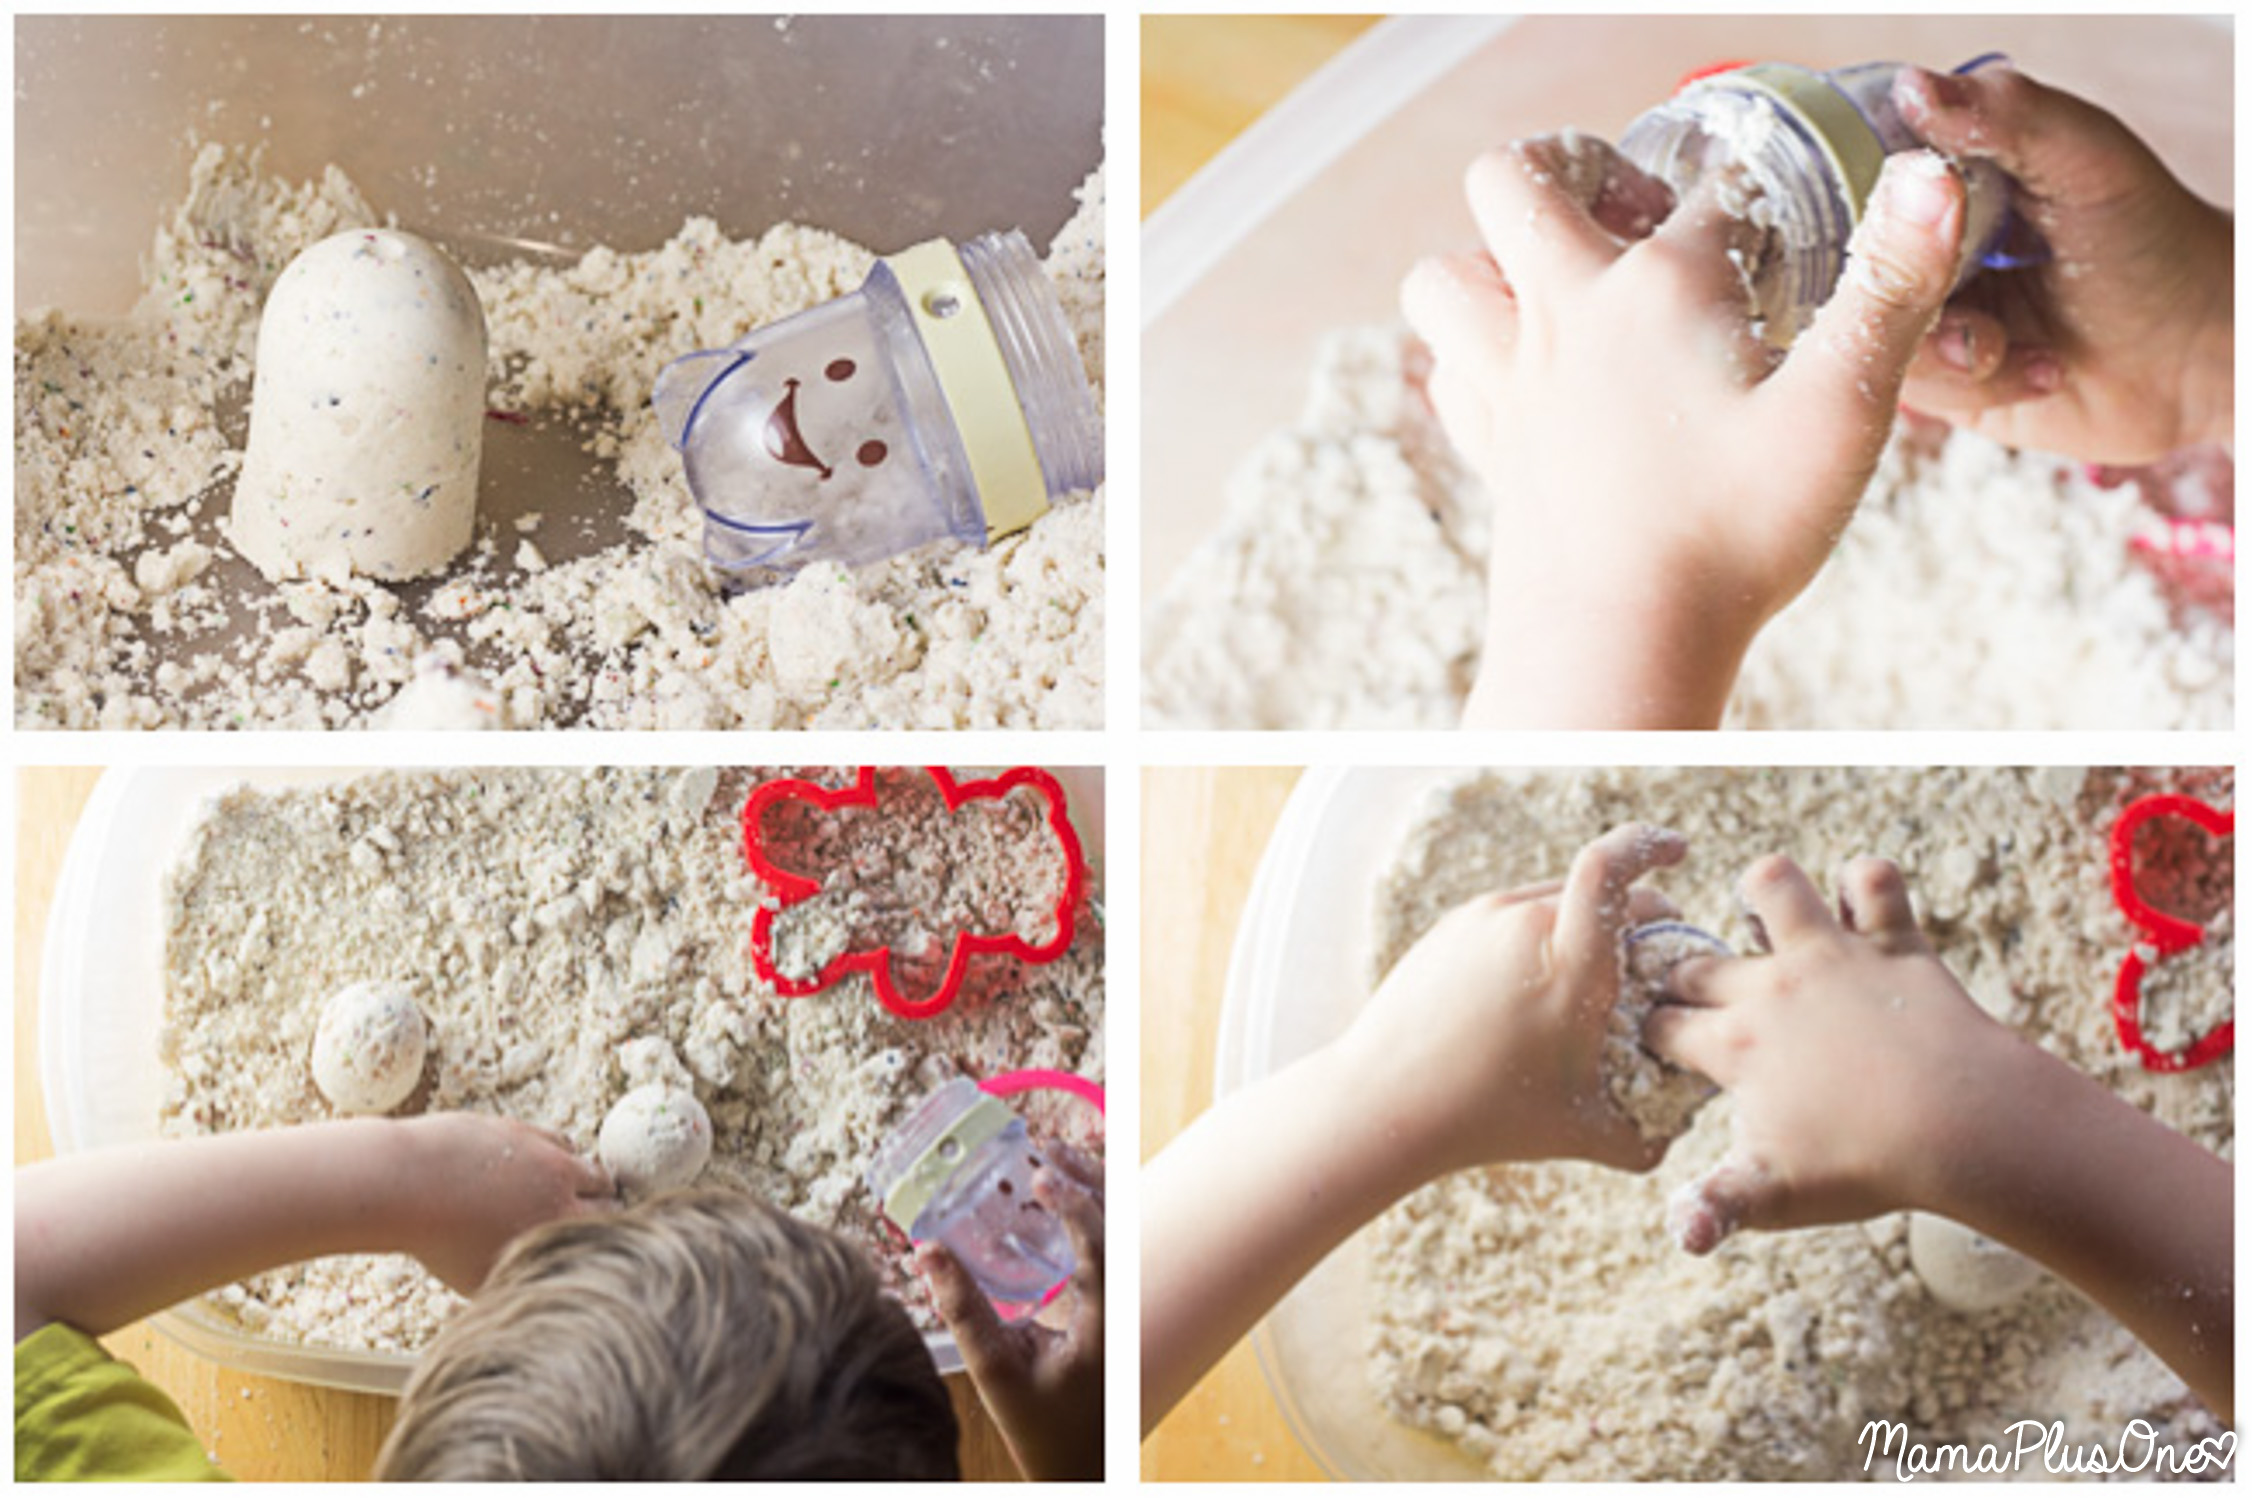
(444, 695)
(656, 1137)
(369, 1048)
(1658, 1097)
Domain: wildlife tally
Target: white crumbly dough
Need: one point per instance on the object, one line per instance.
(1963, 1268)
(121, 451)
(367, 414)
(656, 1137)
(444, 695)
(1541, 1318)
(574, 935)
(369, 1048)
(1342, 585)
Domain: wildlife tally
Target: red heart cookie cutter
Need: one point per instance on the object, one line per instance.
(793, 888)
(2167, 933)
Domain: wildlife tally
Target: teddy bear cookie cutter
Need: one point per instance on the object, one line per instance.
(791, 888)
(2162, 933)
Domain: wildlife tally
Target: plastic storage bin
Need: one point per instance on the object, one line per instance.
(1297, 975)
(506, 137)
(101, 1002)
(1310, 219)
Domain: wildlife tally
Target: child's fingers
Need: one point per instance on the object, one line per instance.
(1594, 904)
(1082, 1215)
(2060, 150)
(1461, 306)
(1963, 351)
(1531, 221)
(1619, 1143)
(1787, 905)
(1646, 905)
(1873, 901)
(969, 1316)
(590, 1179)
(1701, 1038)
(1085, 1166)
(1841, 382)
(1458, 399)
(1631, 204)
(1704, 1212)
(1968, 366)
(1708, 242)
(1519, 895)
(1702, 981)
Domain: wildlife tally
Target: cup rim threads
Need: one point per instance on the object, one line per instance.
(1042, 358)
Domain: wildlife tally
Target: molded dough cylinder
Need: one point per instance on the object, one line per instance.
(367, 415)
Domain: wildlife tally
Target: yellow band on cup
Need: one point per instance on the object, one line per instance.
(928, 1173)
(987, 413)
(1843, 137)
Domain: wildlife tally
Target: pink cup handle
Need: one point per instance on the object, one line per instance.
(1027, 1080)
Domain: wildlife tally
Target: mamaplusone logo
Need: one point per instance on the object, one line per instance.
(2139, 1450)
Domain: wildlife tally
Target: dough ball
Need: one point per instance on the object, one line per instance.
(1965, 1270)
(656, 1137)
(368, 1052)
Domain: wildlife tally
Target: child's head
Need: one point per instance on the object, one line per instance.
(701, 1335)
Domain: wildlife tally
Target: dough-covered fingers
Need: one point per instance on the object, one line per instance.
(1841, 382)
(1595, 905)
(2062, 151)
(1522, 198)
(1705, 1211)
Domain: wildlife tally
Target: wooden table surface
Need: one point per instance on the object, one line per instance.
(1202, 834)
(258, 1428)
(1204, 78)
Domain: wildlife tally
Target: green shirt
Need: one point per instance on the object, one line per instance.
(81, 1414)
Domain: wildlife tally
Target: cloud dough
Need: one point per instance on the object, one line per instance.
(656, 1137)
(367, 413)
(367, 1054)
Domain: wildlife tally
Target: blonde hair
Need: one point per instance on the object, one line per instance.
(700, 1335)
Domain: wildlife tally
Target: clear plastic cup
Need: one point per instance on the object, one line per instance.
(943, 399)
(1653, 949)
(1801, 150)
(959, 1171)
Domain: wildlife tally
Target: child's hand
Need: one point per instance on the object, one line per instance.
(1843, 1051)
(2121, 348)
(475, 1182)
(1043, 1387)
(1663, 487)
(1485, 1042)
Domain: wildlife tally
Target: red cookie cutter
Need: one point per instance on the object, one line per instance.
(793, 888)
(2167, 933)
